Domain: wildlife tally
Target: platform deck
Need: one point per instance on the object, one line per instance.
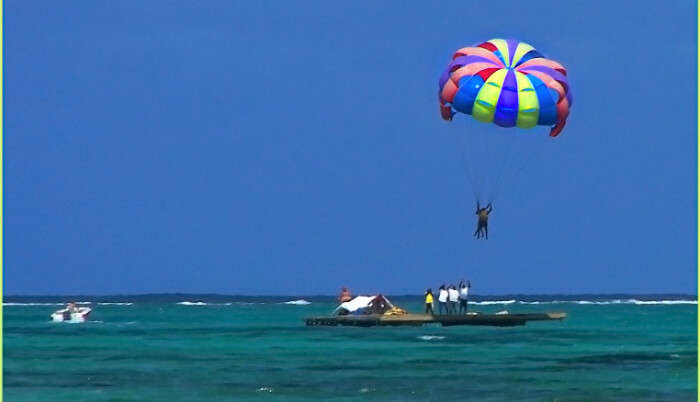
(499, 320)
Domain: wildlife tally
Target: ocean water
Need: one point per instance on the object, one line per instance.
(220, 348)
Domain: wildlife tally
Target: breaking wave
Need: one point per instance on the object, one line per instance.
(487, 303)
(633, 301)
(189, 303)
(300, 302)
(199, 303)
(430, 337)
(615, 301)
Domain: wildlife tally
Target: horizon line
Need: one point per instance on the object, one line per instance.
(335, 295)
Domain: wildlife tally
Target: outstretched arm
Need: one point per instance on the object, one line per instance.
(478, 207)
(490, 208)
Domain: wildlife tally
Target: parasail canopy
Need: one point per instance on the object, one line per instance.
(508, 83)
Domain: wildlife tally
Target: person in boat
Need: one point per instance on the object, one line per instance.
(429, 301)
(482, 226)
(453, 296)
(464, 295)
(70, 309)
(442, 300)
(345, 295)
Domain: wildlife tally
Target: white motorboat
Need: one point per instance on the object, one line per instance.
(78, 314)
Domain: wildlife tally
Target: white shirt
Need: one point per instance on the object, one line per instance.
(463, 293)
(454, 295)
(443, 296)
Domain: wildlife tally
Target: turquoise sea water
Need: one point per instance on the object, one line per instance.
(237, 348)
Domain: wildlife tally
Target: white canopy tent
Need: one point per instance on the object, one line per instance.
(361, 303)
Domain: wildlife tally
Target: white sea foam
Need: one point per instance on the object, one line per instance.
(430, 337)
(635, 301)
(300, 302)
(43, 304)
(265, 389)
(115, 304)
(613, 301)
(663, 301)
(189, 303)
(487, 303)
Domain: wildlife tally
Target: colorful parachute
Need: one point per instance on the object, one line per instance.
(508, 83)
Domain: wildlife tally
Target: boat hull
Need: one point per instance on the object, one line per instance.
(65, 316)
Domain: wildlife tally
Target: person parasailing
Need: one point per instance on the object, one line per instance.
(508, 83)
(482, 225)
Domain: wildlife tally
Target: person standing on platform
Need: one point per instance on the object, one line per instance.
(442, 300)
(429, 301)
(464, 295)
(345, 295)
(453, 296)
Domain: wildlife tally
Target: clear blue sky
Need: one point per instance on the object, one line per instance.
(294, 147)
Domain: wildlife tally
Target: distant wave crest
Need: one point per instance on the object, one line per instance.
(300, 302)
(486, 303)
(614, 301)
(200, 303)
(431, 337)
(663, 301)
(115, 304)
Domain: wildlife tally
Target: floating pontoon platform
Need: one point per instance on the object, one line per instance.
(371, 320)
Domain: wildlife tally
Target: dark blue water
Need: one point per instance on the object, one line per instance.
(154, 347)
